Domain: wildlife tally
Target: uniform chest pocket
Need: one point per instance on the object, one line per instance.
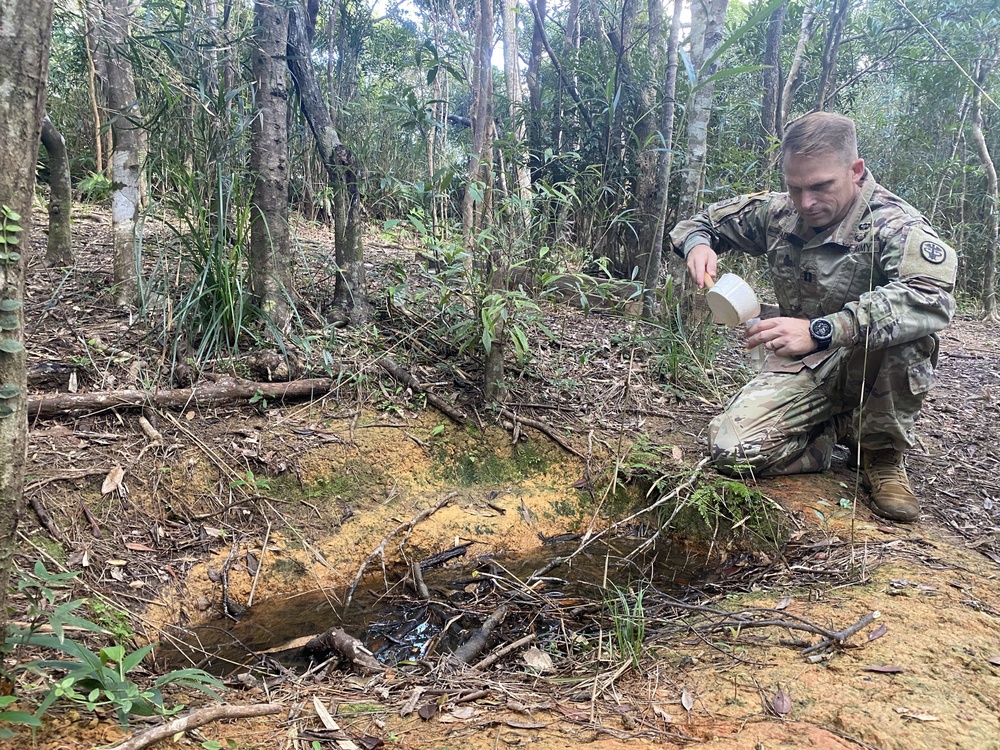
(845, 276)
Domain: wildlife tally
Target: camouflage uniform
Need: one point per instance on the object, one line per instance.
(882, 277)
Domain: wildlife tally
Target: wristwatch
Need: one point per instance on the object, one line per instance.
(821, 331)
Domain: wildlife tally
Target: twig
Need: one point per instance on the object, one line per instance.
(541, 427)
(433, 399)
(260, 565)
(500, 653)
(193, 720)
(343, 742)
(838, 638)
(380, 550)
(46, 519)
(418, 581)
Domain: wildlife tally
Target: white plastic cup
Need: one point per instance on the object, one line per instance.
(732, 301)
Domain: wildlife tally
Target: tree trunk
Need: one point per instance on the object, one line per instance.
(771, 83)
(533, 78)
(707, 17)
(270, 259)
(667, 117)
(792, 81)
(350, 295)
(512, 79)
(651, 153)
(481, 115)
(992, 192)
(129, 152)
(834, 35)
(59, 252)
(25, 31)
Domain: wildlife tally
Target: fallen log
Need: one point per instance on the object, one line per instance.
(225, 390)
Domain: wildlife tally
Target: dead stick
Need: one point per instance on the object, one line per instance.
(380, 550)
(500, 653)
(46, 519)
(838, 638)
(418, 581)
(194, 720)
(477, 641)
(433, 399)
(543, 428)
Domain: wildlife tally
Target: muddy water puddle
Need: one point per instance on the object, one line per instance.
(401, 628)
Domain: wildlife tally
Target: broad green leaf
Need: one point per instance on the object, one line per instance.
(9, 390)
(11, 347)
(10, 305)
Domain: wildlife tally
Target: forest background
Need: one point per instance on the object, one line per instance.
(207, 126)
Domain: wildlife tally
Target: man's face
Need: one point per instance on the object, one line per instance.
(822, 186)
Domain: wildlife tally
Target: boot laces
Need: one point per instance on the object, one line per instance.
(886, 467)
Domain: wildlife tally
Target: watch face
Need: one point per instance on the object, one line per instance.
(821, 329)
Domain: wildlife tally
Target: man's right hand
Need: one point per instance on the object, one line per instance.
(700, 261)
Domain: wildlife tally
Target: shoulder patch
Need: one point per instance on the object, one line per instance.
(727, 209)
(924, 254)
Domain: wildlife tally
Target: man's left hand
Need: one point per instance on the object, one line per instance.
(786, 337)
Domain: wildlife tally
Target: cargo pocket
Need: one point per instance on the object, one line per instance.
(921, 376)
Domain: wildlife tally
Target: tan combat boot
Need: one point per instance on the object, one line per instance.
(891, 495)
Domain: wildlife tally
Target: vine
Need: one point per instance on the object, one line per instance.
(9, 230)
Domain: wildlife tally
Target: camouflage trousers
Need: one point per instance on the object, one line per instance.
(788, 418)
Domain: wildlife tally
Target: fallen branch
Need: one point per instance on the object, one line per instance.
(407, 379)
(341, 642)
(541, 427)
(477, 641)
(194, 720)
(838, 638)
(500, 653)
(226, 390)
(380, 550)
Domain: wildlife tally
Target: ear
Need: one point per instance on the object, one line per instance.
(857, 170)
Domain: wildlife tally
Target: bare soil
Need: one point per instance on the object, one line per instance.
(289, 499)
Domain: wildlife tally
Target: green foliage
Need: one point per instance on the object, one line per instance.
(91, 679)
(9, 231)
(95, 187)
(628, 618)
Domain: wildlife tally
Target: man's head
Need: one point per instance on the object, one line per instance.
(819, 155)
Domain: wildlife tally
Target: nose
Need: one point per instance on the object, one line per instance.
(808, 200)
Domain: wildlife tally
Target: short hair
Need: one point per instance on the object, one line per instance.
(821, 133)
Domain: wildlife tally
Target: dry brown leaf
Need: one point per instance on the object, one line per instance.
(687, 700)
(136, 547)
(783, 603)
(994, 660)
(677, 454)
(878, 633)
(657, 711)
(536, 659)
(920, 717)
(113, 481)
(428, 710)
(781, 702)
(887, 669)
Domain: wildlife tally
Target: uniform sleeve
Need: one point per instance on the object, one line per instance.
(736, 224)
(916, 301)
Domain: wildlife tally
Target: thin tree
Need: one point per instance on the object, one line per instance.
(793, 79)
(834, 36)
(59, 252)
(350, 295)
(270, 260)
(770, 106)
(983, 68)
(25, 33)
(512, 80)
(707, 18)
(129, 148)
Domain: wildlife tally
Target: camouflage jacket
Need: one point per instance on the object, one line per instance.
(882, 273)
